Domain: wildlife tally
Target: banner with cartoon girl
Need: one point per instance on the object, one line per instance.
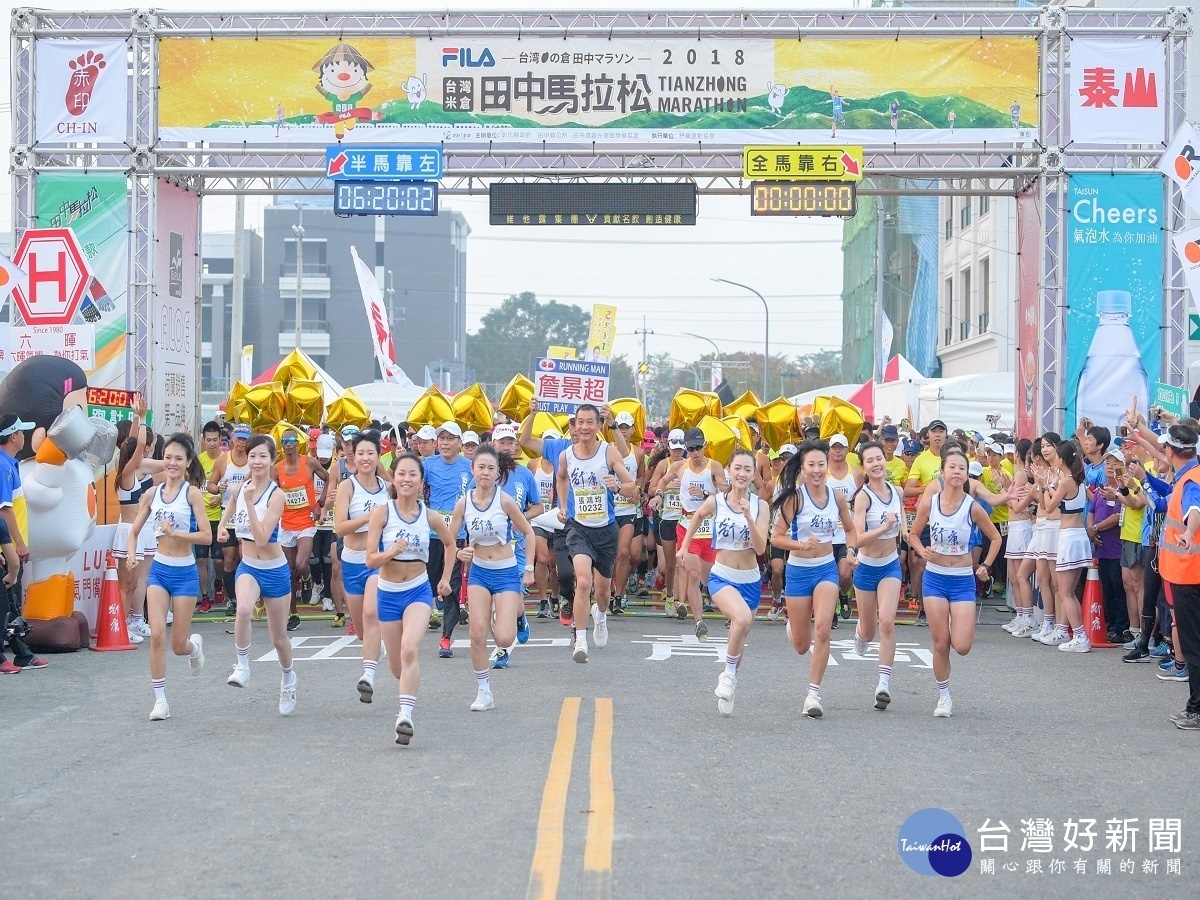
(632, 90)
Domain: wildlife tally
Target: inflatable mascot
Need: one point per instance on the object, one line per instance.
(57, 475)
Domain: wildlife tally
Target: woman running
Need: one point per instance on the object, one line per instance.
(179, 521)
(545, 576)
(135, 478)
(263, 572)
(295, 475)
(1046, 478)
(809, 515)
(1075, 549)
(665, 502)
(948, 582)
(699, 478)
(1020, 536)
(739, 529)
(495, 583)
(878, 518)
(356, 497)
(401, 532)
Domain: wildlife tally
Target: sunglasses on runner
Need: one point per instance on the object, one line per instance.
(694, 448)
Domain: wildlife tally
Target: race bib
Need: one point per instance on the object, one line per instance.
(590, 506)
(672, 505)
(910, 516)
(446, 516)
(705, 529)
(623, 505)
(295, 498)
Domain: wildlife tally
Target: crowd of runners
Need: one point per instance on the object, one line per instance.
(404, 531)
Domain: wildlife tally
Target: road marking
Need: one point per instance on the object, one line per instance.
(597, 854)
(547, 855)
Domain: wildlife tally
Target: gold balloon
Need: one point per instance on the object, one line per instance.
(634, 407)
(543, 422)
(514, 402)
(722, 440)
(264, 405)
(347, 409)
(689, 407)
(235, 407)
(305, 402)
(777, 423)
(745, 406)
(472, 410)
(295, 367)
(432, 408)
(839, 417)
(741, 428)
(280, 430)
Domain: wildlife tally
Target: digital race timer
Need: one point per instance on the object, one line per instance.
(804, 198)
(385, 198)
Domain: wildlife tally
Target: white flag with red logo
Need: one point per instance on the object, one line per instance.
(11, 276)
(1118, 91)
(381, 333)
(1187, 248)
(1181, 163)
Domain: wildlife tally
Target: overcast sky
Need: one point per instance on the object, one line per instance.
(662, 275)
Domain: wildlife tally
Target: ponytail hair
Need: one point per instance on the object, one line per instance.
(789, 476)
(195, 471)
(505, 463)
(1024, 446)
(1072, 459)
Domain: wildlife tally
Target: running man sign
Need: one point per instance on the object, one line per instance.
(562, 385)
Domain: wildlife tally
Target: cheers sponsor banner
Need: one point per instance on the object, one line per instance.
(1187, 248)
(456, 88)
(1114, 295)
(174, 387)
(96, 208)
(74, 342)
(1118, 86)
(561, 385)
(82, 91)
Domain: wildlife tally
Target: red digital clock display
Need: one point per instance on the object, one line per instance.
(109, 397)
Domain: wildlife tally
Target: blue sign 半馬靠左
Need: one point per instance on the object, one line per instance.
(562, 385)
(384, 163)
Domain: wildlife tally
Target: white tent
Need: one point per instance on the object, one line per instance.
(966, 402)
(388, 401)
(841, 391)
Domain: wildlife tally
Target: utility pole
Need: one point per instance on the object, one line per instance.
(644, 368)
(391, 299)
(298, 228)
(235, 302)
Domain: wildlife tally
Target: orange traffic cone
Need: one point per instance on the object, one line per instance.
(111, 631)
(1095, 627)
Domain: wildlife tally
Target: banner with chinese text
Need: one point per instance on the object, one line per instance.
(1118, 91)
(174, 385)
(82, 90)
(561, 385)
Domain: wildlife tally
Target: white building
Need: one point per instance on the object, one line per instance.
(977, 294)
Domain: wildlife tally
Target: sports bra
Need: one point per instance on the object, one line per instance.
(950, 535)
(177, 511)
(363, 501)
(812, 521)
(731, 530)
(878, 509)
(241, 518)
(415, 533)
(134, 497)
(489, 527)
(1076, 504)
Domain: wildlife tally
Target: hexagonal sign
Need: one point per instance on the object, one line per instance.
(58, 276)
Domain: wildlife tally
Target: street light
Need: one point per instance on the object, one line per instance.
(766, 331)
(298, 230)
(716, 365)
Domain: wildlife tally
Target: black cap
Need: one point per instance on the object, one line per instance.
(889, 432)
(937, 423)
(693, 439)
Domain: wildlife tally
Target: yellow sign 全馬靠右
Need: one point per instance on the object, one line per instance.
(788, 163)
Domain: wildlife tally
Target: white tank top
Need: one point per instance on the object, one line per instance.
(326, 522)
(950, 535)
(846, 487)
(878, 510)
(241, 519)
(178, 511)
(590, 502)
(672, 503)
(731, 531)
(622, 505)
(689, 478)
(488, 527)
(363, 501)
(415, 533)
(545, 483)
(233, 478)
(820, 522)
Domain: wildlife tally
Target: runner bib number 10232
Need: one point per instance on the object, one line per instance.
(590, 506)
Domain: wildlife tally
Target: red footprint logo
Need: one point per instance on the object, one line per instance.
(84, 72)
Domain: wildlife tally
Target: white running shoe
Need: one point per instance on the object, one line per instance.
(773, 615)
(812, 707)
(161, 711)
(139, 627)
(1010, 627)
(483, 702)
(726, 685)
(945, 708)
(240, 677)
(1077, 645)
(1060, 636)
(404, 729)
(134, 637)
(170, 615)
(860, 646)
(366, 688)
(1042, 633)
(882, 697)
(196, 660)
(287, 700)
(601, 620)
(1024, 630)
(579, 654)
(326, 605)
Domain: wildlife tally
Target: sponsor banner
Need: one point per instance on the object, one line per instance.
(603, 333)
(174, 387)
(1181, 163)
(96, 208)
(724, 90)
(1114, 295)
(381, 332)
(247, 369)
(1187, 249)
(1118, 89)
(21, 342)
(557, 352)
(1028, 370)
(88, 568)
(561, 385)
(1170, 398)
(82, 91)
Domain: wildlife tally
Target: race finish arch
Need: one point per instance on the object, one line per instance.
(122, 120)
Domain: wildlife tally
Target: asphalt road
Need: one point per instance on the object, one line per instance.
(637, 788)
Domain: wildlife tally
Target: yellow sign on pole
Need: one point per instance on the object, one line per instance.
(603, 334)
(791, 163)
(557, 352)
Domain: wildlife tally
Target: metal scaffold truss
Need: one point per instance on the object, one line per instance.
(1009, 169)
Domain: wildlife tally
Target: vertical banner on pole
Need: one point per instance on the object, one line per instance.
(174, 390)
(603, 333)
(1114, 295)
(96, 208)
(1029, 245)
(247, 369)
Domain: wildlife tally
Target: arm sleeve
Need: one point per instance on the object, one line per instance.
(1162, 488)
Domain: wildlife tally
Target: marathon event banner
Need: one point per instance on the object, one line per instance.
(1114, 295)
(95, 207)
(724, 90)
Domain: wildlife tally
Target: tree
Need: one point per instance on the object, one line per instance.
(517, 332)
(621, 381)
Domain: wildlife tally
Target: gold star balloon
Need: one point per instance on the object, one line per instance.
(745, 406)
(235, 407)
(777, 423)
(283, 428)
(347, 409)
(689, 407)
(305, 402)
(432, 408)
(722, 440)
(514, 402)
(472, 410)
(544, 421)
(632, 406)
(296, 366)
(840, 417)
(741, 428)
(263, 406)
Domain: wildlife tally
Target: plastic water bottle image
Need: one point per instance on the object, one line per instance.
(1113, 372)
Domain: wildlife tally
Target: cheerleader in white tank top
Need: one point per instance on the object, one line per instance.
(174, 513)
(1021, 565)
(948, 585)
(1047, 480)
(495, 581)
(739, 536)
(399, 532)
(879, 518)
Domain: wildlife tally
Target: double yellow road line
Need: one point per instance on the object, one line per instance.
(546, 870)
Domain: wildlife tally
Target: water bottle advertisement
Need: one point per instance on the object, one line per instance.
(1114, 295)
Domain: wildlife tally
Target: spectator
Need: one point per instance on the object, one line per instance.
(10, 613)
(1179, 561)
(12, 442)
(1104, 531)
(1094, 440)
